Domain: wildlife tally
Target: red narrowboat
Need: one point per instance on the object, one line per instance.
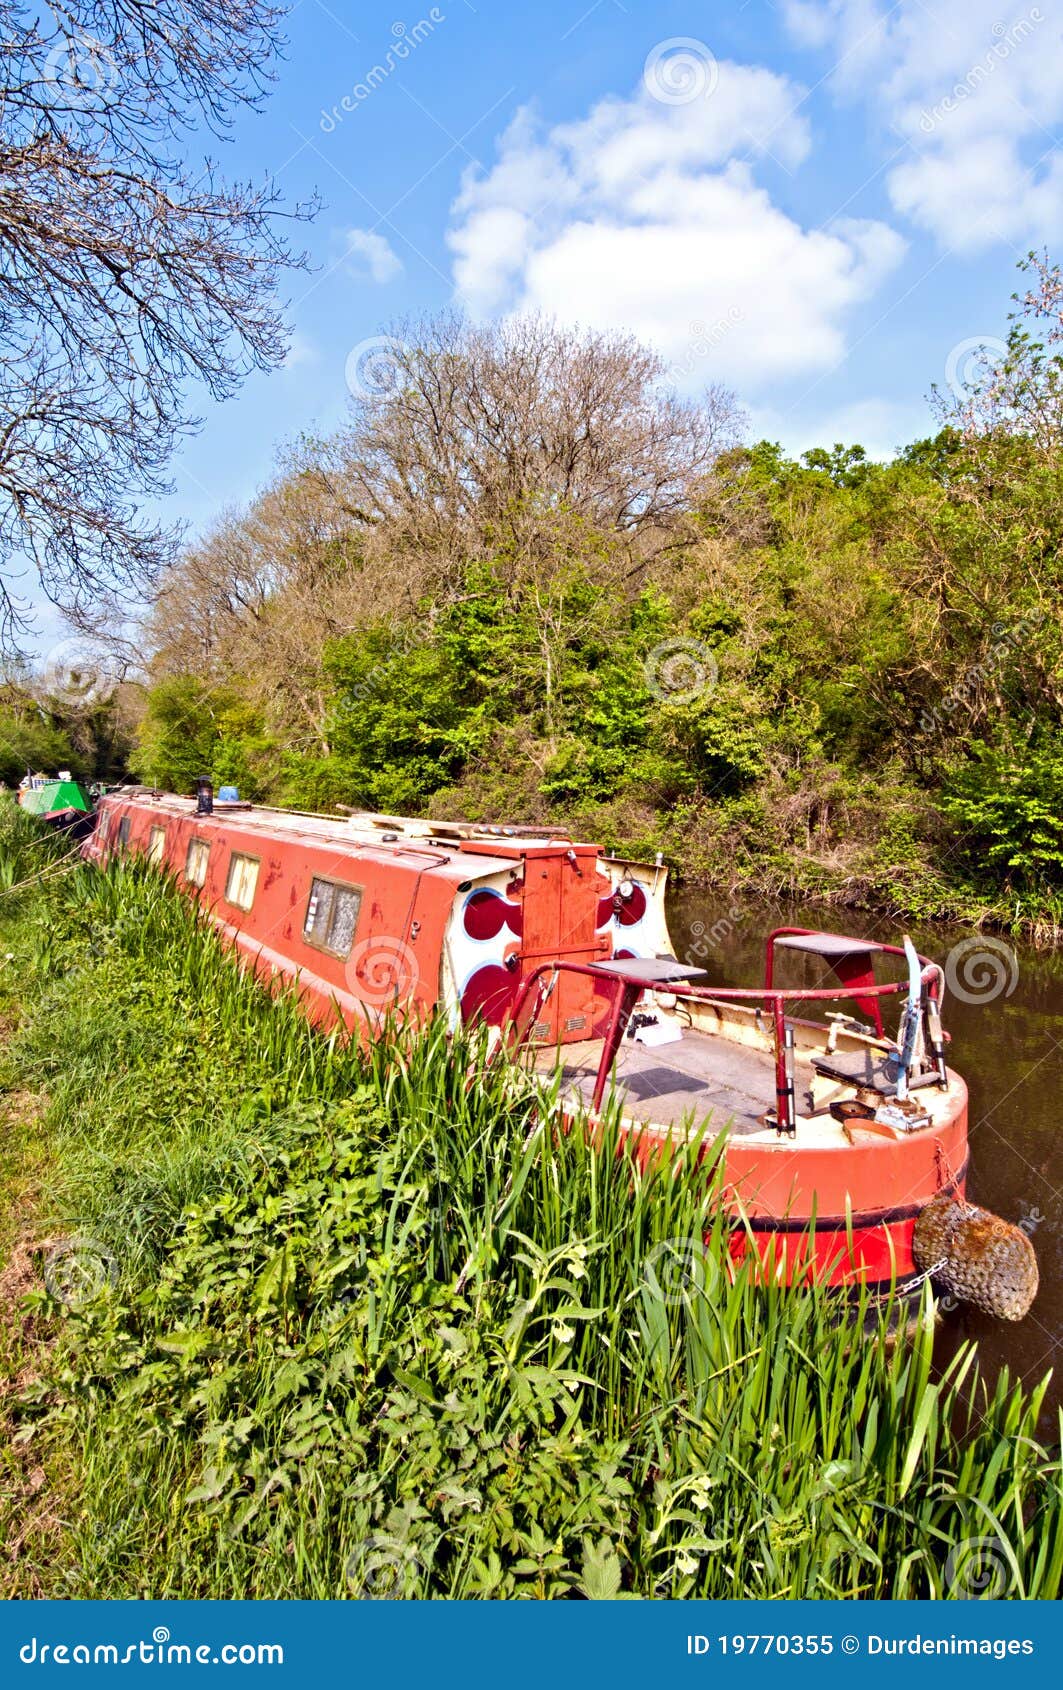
(837, 1132)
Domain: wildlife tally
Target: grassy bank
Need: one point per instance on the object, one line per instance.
(313, 1324)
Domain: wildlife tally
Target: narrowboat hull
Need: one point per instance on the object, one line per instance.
(562, 949)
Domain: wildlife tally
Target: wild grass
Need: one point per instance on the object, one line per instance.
(373, 1324)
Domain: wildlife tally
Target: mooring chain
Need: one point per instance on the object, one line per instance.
(911, 1284)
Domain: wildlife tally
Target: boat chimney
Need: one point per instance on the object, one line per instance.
(204, 796)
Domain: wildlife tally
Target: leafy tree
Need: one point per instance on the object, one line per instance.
(845, 466)
(1008, 804)
(29, 742)
(181, 733)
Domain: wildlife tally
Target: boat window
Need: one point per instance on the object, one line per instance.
(332, 916)
(196, 862)
(157, 845)
(243, 880)
(123, 831)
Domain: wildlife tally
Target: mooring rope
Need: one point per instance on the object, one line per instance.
(61, 863)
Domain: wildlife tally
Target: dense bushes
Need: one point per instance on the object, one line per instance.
(849, 673)
(1009, 806)
(805, 701)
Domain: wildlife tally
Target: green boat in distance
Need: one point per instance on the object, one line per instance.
(62, 802)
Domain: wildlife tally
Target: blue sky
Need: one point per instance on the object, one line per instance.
(815, 202)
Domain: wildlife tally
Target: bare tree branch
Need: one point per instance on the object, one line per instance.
(472, 441)
(128, 271)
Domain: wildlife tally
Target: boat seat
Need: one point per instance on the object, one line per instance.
(851, 960)
(648, 971)
(828, 945)
(873, 1069)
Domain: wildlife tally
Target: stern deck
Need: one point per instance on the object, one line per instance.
(680, 1085)
(715, 1075)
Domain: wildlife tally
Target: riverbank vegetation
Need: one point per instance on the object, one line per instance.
(526, 583)
(67, 716)
(308, 1322)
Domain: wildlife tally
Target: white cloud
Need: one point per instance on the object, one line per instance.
(371, 255)
(881, 426)
(300, 352)
(973, 91)
(647, 216)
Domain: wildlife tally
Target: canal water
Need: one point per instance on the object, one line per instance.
(1005, 1014)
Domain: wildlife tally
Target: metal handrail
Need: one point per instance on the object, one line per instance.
(627, 992)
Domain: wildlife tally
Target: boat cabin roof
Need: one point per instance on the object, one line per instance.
(454, 850)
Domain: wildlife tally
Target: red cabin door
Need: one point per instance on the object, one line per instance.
(560, 914)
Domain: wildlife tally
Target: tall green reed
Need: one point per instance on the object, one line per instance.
(387, 1309)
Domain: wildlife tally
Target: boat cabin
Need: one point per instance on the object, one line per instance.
(834, 1123)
